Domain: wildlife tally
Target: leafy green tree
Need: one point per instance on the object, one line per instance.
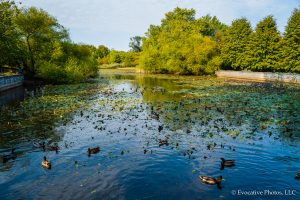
(131, 59)
(210, 26)
(11, 48)
(101, 52)
(177, 46)
(264, 46)
(234, 47)
(290, 46)
(115, 57)
(39, 30)
(136, 44)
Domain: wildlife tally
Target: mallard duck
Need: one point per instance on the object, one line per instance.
(297, 176)
(211, 180)
(93, 150)
(7, 157)
(227, 163)
(46, 163)
(163, 142)
(52, 148)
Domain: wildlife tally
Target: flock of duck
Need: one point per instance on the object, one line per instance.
(47, 164)
(217, 180)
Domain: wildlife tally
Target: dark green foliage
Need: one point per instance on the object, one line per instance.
(101, 52)
(236, 41)
(264, 46)
(290, 46)
(210, 26)
(136, 44)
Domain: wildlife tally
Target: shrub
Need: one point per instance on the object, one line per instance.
(51, 72)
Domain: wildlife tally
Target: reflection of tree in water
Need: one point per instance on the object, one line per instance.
(36, 117)
(229, 108)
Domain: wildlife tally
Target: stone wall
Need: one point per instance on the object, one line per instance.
(7, 82)
(260, 76)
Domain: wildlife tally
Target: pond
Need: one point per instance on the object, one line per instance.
(157, 134)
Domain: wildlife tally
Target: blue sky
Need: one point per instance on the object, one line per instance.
(113, 22)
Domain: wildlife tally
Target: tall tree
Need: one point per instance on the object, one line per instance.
(38, 28)
(136, 44)
(264, 46)
(177, 46)
(234, 48)
(290, 51)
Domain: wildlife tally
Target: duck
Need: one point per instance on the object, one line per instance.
(52, 148)
(46, 163)
(210, 180)
(7, 157)
(163, 142)
(227, 163)
(93, 150)
(297, 176)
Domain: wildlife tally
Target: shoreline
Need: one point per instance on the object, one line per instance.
(275, 77)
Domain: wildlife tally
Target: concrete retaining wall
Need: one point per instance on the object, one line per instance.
(260, 76)
(8, 82)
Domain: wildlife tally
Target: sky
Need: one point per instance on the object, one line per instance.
(113, 22)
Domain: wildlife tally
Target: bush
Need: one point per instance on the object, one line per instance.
(73, 71)
(51, 72)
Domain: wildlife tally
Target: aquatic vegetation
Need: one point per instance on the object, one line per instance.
(156, 129)
(41, 111)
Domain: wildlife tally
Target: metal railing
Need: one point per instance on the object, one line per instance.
(10, 77)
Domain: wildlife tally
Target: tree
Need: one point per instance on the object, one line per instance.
(177, 46)
(101, 52)
(209, 26)
(11, 46)
(264, 46)
(234, 48)
(290, 46)
(136, 44)
(38, 28)
(115, 56)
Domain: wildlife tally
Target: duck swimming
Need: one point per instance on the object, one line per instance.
(163, 142)
(52, 148)
(93, 150)
(46, 163)
(227, 163)
(297, 176)
(211, 180)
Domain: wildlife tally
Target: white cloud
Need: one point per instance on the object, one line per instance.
(113, 22)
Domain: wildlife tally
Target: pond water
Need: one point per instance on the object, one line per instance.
(203, 120)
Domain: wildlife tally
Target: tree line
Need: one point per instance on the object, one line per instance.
(33, 39)
(185, 45)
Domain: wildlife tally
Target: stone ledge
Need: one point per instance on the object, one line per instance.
(260, 76)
